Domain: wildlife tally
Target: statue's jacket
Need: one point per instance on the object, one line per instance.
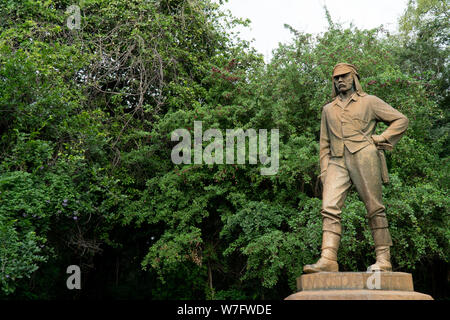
(352, 125)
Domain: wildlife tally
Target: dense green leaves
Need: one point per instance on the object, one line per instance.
(86, 175)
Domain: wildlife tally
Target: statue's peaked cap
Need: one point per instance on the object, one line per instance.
(343, 68)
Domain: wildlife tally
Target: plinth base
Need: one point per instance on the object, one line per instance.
(358, 295)
(356, 286)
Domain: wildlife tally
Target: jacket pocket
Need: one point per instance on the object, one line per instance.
(359, 124)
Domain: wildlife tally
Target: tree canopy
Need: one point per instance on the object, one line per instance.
(86, 175)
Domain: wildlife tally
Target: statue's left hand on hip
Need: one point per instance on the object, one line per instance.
(377, 139)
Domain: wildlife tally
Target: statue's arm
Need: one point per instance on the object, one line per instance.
(396, 121)
(324, 144)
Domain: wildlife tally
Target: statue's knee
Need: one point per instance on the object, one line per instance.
(332, 225)
(378, 222)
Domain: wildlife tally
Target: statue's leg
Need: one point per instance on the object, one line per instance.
(336, 185)
(365, 172)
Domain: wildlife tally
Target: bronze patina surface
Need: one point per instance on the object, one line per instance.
(350, 154)
(356, 286)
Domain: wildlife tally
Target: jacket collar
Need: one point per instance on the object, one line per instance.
(355, 97)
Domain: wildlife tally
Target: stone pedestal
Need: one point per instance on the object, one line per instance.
(356, 286)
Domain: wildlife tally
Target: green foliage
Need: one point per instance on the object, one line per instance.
(424, 52)
(20, 254)
(87, 117)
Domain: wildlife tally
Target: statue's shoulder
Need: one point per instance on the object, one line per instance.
(328, 104)
(368, 97)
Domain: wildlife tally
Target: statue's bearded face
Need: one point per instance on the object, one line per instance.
(343, 82)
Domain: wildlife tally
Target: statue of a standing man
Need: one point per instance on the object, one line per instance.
(350, 153)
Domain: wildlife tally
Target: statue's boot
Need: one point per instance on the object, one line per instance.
(328, 259)
(383, 262)
(383, 241)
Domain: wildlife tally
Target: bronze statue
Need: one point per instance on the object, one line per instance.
(350, 153)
